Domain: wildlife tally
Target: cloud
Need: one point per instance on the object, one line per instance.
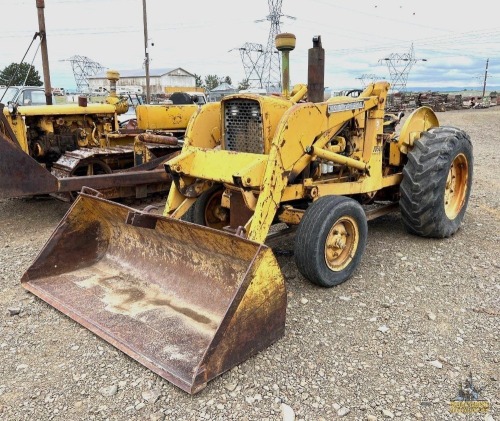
(201, 35)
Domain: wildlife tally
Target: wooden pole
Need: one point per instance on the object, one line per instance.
(146, 52)
(40, 5)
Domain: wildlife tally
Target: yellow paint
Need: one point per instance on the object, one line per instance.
(207, 130)
(206, 164)
(87, 120)
(420, 120)
(66, 109)
(269, 181)
(164, 117)
(19, 128)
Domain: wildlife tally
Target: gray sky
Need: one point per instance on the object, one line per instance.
(456, 38)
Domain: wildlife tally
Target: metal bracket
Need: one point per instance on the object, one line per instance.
(141, 220)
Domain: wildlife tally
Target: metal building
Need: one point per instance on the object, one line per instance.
(162, 80)
(221, 91)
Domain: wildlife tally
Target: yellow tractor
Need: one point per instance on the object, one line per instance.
(195, 291)
(58, 149)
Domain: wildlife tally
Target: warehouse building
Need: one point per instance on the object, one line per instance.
(161, 81)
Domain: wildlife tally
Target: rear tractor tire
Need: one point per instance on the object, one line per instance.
(330, 240)
(437, 182)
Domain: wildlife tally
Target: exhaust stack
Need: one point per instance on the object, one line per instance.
(316, 71)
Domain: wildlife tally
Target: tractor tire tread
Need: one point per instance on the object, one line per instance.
(311, 234)
(424, 178)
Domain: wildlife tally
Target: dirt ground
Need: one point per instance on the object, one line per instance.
(394, 342)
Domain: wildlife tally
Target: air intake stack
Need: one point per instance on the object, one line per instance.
(285, 43)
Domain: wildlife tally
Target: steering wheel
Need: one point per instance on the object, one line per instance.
(354, 92)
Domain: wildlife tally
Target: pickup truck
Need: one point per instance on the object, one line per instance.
(23, 95)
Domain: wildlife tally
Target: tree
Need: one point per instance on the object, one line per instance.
(15, 74)
(244, 84)
(212, 81)
(198, 81)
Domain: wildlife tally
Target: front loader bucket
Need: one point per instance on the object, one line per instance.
(186, 301)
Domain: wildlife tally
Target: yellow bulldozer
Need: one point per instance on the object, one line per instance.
(196, 291)
(58, 149)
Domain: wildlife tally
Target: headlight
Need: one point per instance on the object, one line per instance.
(255, 111)
(233, 110)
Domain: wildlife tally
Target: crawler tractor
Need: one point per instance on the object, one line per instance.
(195, 291)
(58, 149)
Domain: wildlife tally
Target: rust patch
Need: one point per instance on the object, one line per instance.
(126, 295)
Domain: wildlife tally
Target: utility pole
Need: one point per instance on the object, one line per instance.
(146, 52)
(40, 5)
(485, 76)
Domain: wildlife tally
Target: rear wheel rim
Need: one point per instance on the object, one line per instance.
(456, 186)
(341, 243)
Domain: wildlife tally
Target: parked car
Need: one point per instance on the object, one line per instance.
(58, 91)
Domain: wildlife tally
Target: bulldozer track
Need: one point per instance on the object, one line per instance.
(102, 161)
(66, 165)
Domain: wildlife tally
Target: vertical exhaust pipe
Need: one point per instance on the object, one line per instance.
(285, 43)
(316, 71)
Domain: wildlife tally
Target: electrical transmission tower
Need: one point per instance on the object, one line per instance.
(367, 79)
(252, 57)
(271, 70)
(399, 66)
(83, 67)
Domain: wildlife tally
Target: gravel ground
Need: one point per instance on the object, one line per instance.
(395, 341)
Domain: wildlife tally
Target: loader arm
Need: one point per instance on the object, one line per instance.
(288, 154)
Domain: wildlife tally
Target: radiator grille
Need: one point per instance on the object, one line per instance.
(243, 126)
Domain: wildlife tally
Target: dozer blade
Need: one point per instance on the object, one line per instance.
(188, 302)
(20, 174)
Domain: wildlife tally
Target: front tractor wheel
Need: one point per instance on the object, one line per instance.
(207, 209)
(437, 182)
(330, 240)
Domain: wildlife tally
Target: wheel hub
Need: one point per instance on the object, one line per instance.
(221, 213)
(341, 243)
(456, 186)
(216, 216)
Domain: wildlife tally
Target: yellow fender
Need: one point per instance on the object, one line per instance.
(420, 120)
